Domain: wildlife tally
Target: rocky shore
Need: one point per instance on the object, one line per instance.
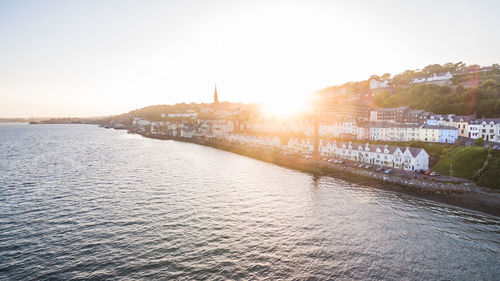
(464, 194)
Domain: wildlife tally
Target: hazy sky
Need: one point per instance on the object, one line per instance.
(89, 58)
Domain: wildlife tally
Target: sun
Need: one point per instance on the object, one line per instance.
(285, 107)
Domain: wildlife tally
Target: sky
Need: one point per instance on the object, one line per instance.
(95, 58)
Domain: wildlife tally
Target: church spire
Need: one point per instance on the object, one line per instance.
(216, 98)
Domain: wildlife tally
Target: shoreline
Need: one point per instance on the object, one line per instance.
(465, 195)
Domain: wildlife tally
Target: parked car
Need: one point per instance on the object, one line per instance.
(341, 162)
(379, 169)
(332, 161)
(427, 173)
(361, 165)
(368, 166)
(420, 171)
(388, 171)
(308, 157)
(434, 174)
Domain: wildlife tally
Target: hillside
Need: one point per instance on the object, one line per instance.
(472, 89)
(483, 100)
(466, 163)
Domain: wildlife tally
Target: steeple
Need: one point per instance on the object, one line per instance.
(216, 98)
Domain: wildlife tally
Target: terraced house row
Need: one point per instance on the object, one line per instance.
(385, 131)
(406, 158)
(438, 128)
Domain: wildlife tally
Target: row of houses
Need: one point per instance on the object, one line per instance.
(384, 131)
(469, 127)
(253, 140)
(405, 158)
(412, 132)
(438, 128)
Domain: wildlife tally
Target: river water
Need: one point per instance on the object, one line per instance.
(82, 202)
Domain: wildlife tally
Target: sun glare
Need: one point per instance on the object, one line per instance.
(285, 107)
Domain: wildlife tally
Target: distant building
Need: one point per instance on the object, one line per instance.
(253, 140)
(300, 146)
(375, 84)
(216, 97)
(389, 114)
(439, 79)
(137, 121)
(183, 115)
(437, 119)
(416, 116)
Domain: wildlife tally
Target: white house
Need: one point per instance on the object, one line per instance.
(137, 121)
(375, 84)
(186, 132)
(219, 128)
(437, 120)
(156, 127)
(300, 146)
(434, 78)
(254, 140)
(487, 129)
(183, 115)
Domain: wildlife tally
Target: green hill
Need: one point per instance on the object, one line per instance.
(467, 160)
(490, 176)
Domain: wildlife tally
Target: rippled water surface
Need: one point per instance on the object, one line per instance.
(79, 202)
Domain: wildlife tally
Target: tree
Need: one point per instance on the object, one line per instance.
(488, 83)
(386, 76)
(433, 68)
(404, 78)
(449, 66)
(480, 142)
(382, 99)
(460, 66)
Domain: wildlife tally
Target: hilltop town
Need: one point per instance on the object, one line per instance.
(349, 124)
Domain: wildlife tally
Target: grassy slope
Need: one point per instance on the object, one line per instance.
(490, 177)
(467, 160)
